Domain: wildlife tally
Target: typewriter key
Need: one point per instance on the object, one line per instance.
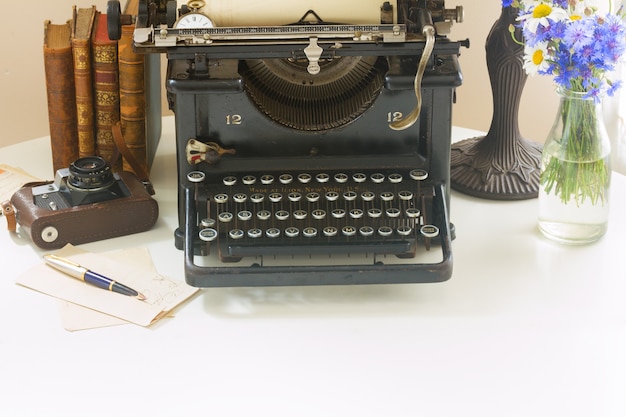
(341, 178)
(300, 214)
(356, 213)
(229, 181)
(418, 175)
(292, 232)
(282, 215)
(272, 232)
(330, 231)
(359, 177)
(368, 196)
(257, 198)
(429, 230)
(385, 231)
(196, 176)
(285, 179)
(236, 234)
(275, 197)
(386, 196)
(248, 180)
(312, 197)
(348, 231)
(377, 178)
(374, 213)
(309, 232)
(322, 178)
(395, 178)
(405, 195)
(255, 233)
(404, 231)
(240, 198)
(225, 217)
(267, 179)
(412, 213)
(349, 196)
(294, 197)
(207, 222)
(263, 215)
(221, 198)
(332, 196)
(393, 212)
(318, 214)
(338, 213)
(304, 178)
(366, 231)
(244, 215)
(208, 234)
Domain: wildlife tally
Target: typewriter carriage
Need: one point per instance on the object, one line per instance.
(258, 100)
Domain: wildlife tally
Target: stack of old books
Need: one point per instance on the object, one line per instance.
(93, 83)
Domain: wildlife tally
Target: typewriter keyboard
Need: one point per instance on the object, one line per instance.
(261, 214)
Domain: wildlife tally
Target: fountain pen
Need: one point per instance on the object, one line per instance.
(76, 271)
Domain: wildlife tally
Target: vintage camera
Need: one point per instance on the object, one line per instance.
(85, 203)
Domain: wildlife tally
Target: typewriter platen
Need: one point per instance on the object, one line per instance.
(312, 152)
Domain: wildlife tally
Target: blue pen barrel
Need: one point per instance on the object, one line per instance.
(108, 284)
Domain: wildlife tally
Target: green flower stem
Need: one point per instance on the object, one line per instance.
(580, 171)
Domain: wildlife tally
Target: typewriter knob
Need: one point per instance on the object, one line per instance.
(115, 20)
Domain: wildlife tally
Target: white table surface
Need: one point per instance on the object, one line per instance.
(525, 327)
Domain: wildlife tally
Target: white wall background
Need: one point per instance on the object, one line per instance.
(23, 108)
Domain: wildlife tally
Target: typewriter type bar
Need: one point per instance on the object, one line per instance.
(313, 153)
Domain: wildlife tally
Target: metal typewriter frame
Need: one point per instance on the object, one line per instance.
(399, 43)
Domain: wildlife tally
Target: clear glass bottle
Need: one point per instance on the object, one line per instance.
(575, 172)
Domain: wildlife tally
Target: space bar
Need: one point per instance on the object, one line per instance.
(289, 247)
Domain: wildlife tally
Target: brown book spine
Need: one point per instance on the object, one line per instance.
(59, 74)
(132, 99)
(106, 89)
(81, 49)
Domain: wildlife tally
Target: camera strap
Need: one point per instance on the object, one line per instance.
(139, 171)
(9, 213)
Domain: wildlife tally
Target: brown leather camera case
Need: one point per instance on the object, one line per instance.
(88, 223)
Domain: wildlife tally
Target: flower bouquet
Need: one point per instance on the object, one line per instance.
(578, 43)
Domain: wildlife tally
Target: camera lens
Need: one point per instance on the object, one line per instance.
(90, 173)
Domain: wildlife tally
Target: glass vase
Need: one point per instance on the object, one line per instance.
(575, 172)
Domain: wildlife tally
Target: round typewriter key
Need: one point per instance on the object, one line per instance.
(385, 231)
(366, 231)
(395, 178)
(418, 174)
(249, 179)
(267, 179)
(359, 177)
(404, 230)
(208, 222)
(338, 213)
(257, 198)
(412, 213)
(318, 214)
(196, 176)
(208, 234)
(349, 196)
(244, 215)
(225, 217)
(304, 178)
(272, 232)
(332, 196)
(341, 178)
(348, 231)
(312, 197)
(322, 178)
(240, 198)
(294, 197)
(292, 232)
(377, 178)
(221, 198)
(285, 179)
(255, 233)
(429, 230)
(368, 196)
(300, 214)
(282, 214)
(263, 215)
(330, 231)
(309, 232)
(236, 234)
(275, 197)
(386, 196)
(374, 213)
(393, 212)
(356, 213)
(405, 195)
(229, 181)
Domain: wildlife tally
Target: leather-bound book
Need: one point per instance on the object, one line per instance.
(132, 99)
(83, 21)
(106, 89)
(59, 72)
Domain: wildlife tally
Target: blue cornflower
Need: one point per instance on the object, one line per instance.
(578, 35)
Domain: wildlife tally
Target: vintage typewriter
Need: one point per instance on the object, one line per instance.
(310, 152)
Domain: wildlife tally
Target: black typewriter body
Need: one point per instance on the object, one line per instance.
(293, 175)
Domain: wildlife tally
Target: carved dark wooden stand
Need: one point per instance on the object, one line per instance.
(501, 165)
